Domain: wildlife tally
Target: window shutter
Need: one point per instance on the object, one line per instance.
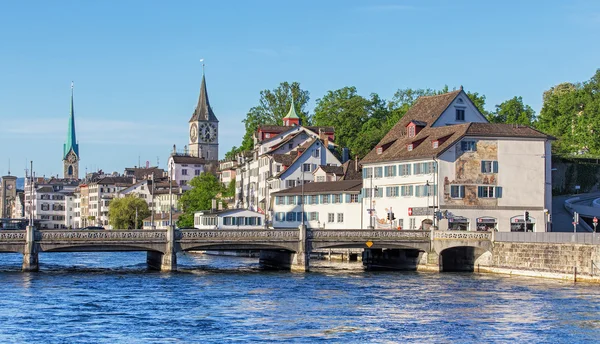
(495, 166)
(498, 192)
(479, 191)
(388, 191)
(394, 170)
(482, 166)
(314, 167)
(385, 171)
(399, 170)
(462, 191)
(364, 173)
(347, 198)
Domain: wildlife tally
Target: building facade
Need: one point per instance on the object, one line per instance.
(204, 128)
(8, 196)
(444, 165)
(51, 201)
(327, 205)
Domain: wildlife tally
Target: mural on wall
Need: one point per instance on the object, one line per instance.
(468, 173)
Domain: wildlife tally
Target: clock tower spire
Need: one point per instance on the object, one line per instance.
(204, 125)
(71, 147)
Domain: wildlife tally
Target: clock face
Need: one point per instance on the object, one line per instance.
(208, 132)
(194, 132)
(71, 157)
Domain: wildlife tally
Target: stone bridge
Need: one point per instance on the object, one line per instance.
(289, 248)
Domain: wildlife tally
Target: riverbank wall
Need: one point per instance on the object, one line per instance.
(565, 261)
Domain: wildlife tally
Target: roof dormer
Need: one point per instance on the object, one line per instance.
(381, 148)
(414, 127)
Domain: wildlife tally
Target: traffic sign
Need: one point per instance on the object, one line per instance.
(369, 243)
(409, 211)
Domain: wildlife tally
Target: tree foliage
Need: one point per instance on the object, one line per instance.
(272, 107)
(205, 188)
(122, 211)
(513, 111)
(571, 112)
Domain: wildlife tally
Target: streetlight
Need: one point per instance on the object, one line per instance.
(267, 199)
(302, 198)
(427, 187)
(170, 196)
(153, 205)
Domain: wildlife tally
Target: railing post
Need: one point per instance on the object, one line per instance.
(30, 253)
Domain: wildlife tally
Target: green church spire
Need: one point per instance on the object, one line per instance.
(292, 112)
(71, 143)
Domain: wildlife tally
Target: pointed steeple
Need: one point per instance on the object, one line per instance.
(71, 143)
(203, 110)
(291, 118)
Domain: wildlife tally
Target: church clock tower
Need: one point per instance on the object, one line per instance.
(204, 128)
(71, 148)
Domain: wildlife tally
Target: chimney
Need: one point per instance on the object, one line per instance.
(220, 206)
(321, 134)
(174, 149)
(356, 163)
(213, 207)
(345, 154)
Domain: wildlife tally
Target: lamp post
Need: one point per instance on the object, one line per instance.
(153, 205)
(267, 204)
(170, 196)
(302, 198)
(427, 188)
(371, 226)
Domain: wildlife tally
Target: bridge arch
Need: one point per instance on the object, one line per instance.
(462, 258)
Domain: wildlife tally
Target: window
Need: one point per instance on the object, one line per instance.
(306, 167)
(314, 216)
(379, 150)
(468, 146)
(354, 198)
(325, 199)
(389, 171)
(435, 144)
(182, 182)
(299, 216)
(316, 153)
(488, 166)
(340, 217)
(425, 190)
(460, 114)
(197, 172)
(409, 147)
(291, 200)
(279, 200)
(184, 171)
(378, 192)
(331, 217)
(391, 191)
(457, 191)
(378, 172)
(411, 131)
(424, 168)
(290, 183)
(413, 223)
(337, 199)
(290, 145)
(404, 170)
(314, 200)
(489, 191)
(367, 172)
(320, 178)
(290, 217)
(406, 190)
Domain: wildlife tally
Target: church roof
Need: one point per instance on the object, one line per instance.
(203, 110)
(292, 112)
(71, 143)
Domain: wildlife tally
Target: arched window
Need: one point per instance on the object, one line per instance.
(70, 171)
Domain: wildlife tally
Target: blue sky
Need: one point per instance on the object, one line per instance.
(137, 73)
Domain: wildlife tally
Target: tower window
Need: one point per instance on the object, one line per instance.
(460, 114)
(70, 171)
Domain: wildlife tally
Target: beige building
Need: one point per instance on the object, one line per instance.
(8, 195)
(444, 165)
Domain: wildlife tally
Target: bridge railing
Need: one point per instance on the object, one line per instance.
(100, 235)
(462, 235)
(365, 234)
(238, 234)
(549, 237)
(12, 235)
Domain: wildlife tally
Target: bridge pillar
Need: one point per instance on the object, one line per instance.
(30, 253)
(166, 261)
(301, 259)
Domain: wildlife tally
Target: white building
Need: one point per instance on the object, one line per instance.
(51, 202)
(100, 194)
(444, 155)
(283, 157)
(229, 219)
(184, 168)
(329, 205)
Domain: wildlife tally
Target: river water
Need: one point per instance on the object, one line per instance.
(111, 298)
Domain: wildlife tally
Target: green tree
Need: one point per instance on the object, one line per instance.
(205, 188)
(513, 111)
(273, 106)
(230, 190)
(122, 212)
(571, 112)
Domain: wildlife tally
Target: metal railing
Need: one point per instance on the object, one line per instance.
(549, 237)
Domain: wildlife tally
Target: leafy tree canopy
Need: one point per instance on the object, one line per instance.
(273, 106)
(513, 111)
(571, 112)
(122, 212)
(205, 188)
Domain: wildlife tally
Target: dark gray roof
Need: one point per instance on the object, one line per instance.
(284, 159)
(186, 159)
(347, 186)
(338, 170)
(203, 110)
